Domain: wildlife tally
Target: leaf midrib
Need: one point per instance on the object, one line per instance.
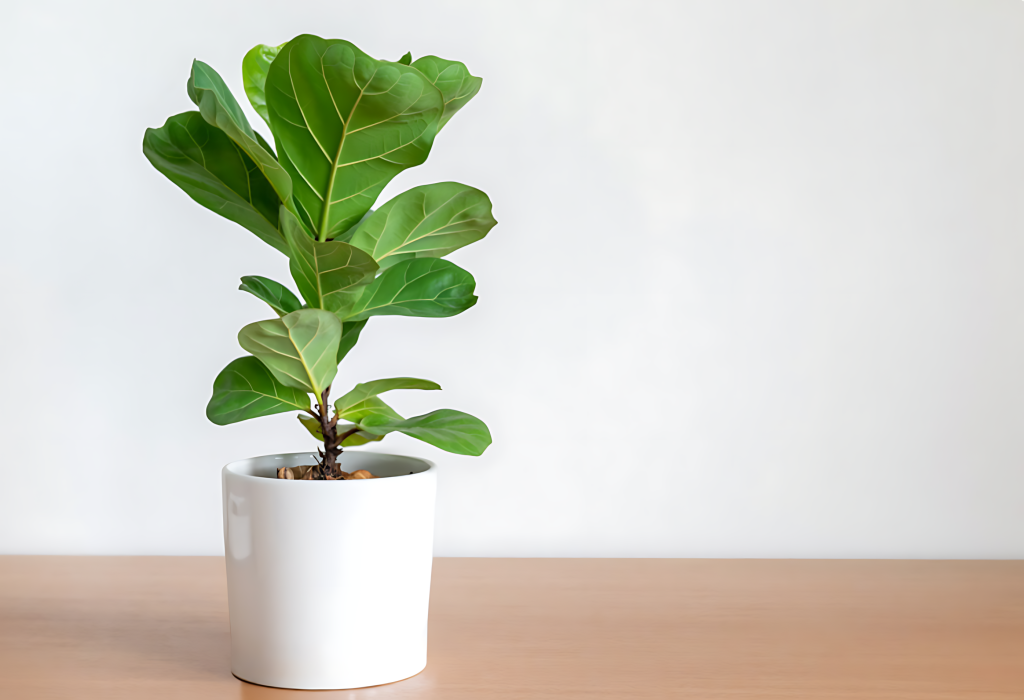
(259, 396)
(426, 215)
(309, 374)
(325, 215)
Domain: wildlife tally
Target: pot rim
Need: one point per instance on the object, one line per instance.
(231, 468)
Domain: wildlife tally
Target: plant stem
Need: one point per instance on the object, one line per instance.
(332, 445)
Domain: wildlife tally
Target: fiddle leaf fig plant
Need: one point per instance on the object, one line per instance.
(344, 125)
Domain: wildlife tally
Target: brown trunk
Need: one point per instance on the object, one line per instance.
(329, 468)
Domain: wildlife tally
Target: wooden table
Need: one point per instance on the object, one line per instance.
(156, 627)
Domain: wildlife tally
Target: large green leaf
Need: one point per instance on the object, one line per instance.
(418, 287)
(354, 440)
(361, 392)
(215, 172)
(219, 108)
(246, 389)
(254, 76)
(453, 80)
(350, 331)
(279, 297)
(371, 409)
(452, 431)
(300, 349)
(328, 274)
(345, 124)
(429, 221)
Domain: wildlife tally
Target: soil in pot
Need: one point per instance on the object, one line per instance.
(306, 472)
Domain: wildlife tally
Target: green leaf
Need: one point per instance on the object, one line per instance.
(328, 274)
(355, 439)
(419, 287)
(361, 392)
(346, 237)
(369, 410)
(215, 172)
(453, 80)
(246, 389)
(350, 331)
(312, 425)
(452, 431)
(219, 108)
(345, 124)
(429, 221)
(300, 349)
(254, 76)
(406, 59)
(279, 297)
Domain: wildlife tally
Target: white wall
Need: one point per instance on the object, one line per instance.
(756, 289)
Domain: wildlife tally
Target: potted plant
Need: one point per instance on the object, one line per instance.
(328, 583)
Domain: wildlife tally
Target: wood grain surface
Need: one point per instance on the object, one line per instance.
(156, 627)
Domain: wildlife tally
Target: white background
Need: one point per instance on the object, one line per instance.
(756, 289)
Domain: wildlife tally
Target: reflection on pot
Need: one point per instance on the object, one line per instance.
(239, 528)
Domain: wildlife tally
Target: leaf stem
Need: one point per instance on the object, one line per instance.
(347, 434)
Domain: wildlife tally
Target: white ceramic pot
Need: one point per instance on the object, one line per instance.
(328, 581)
